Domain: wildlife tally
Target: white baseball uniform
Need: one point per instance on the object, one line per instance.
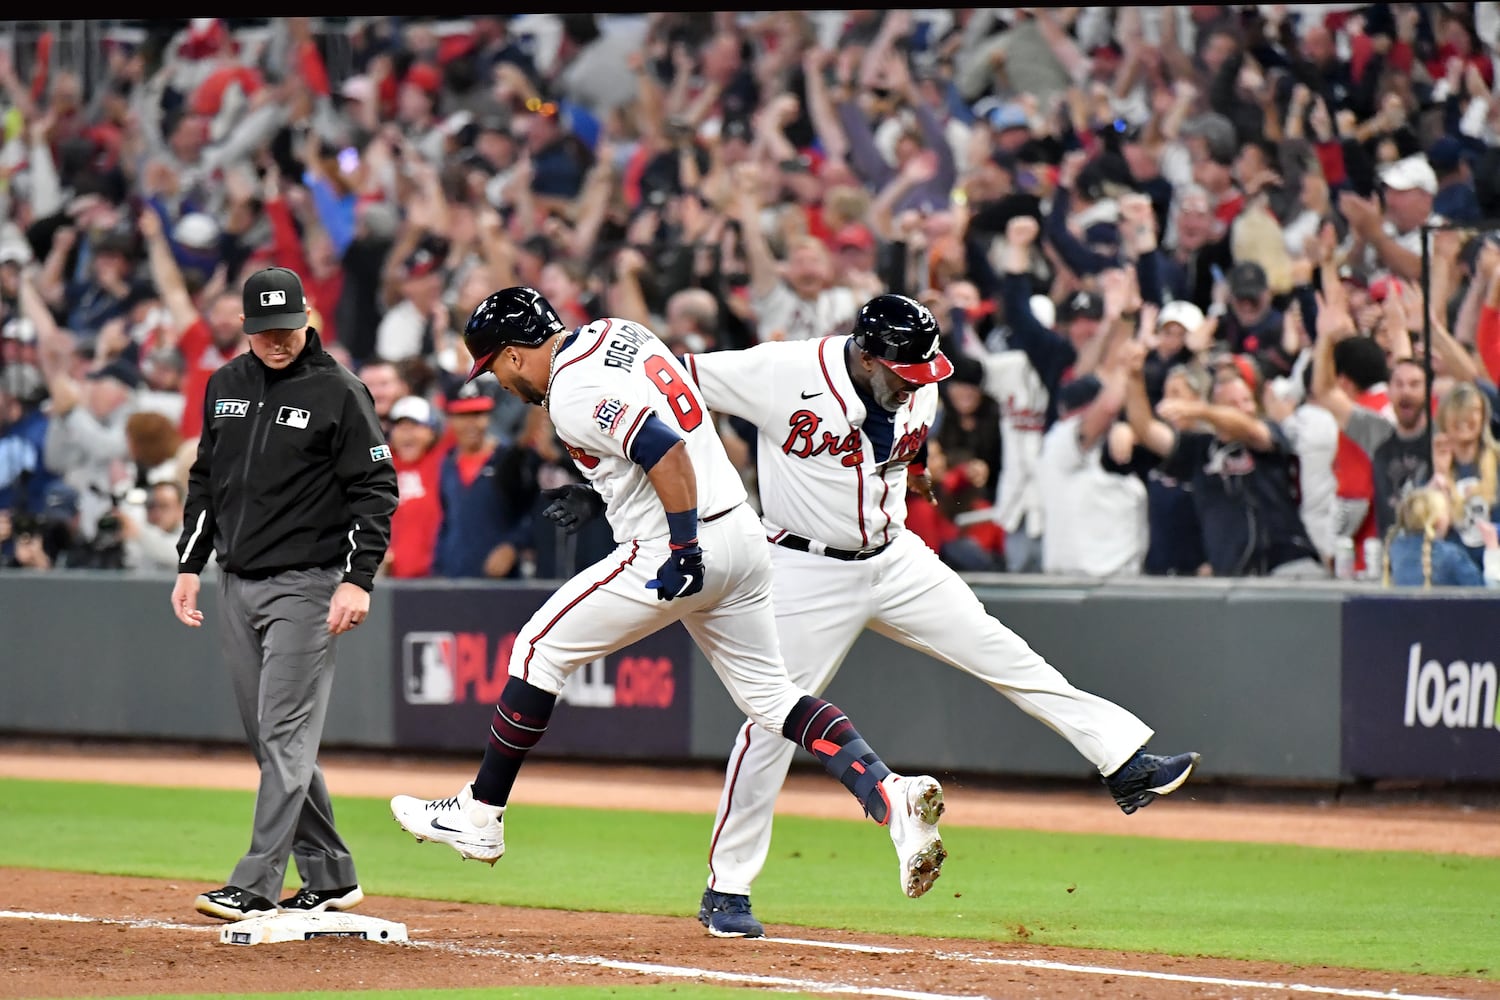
(821, 481)
(1010, 379)
(606, 379)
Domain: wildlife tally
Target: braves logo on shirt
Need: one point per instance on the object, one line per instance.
(908, 444)
(1022, 417)
(1229, 460)
(803, 441)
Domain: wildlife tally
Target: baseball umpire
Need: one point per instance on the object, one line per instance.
(294, 488)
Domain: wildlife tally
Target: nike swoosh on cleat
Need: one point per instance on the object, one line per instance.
(437, 825)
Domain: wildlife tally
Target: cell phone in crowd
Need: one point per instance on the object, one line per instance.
(348, 159)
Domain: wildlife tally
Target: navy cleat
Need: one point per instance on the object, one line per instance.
(728, 915)
(1145, 776)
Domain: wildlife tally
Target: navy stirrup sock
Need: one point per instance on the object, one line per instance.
(519, 723)
(824, 731)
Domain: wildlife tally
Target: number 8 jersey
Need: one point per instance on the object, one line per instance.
(607, 378)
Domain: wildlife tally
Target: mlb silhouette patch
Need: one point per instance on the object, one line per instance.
(274, 298)
(291, 416)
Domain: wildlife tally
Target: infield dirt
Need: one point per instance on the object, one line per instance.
(57, 959)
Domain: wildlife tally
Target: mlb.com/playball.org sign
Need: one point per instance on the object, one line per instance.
(1421, 688)
(452, 650)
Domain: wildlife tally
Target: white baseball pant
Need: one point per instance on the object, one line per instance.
(608, 606)
(907, 594)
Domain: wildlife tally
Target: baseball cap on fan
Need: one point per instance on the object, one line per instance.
(1182, 312)
(1412, 173)
(273, 300)
(413, 408)
(1082, 305)
(469, 398)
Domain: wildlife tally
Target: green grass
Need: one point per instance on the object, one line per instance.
(1306, 906)
(692, 992)
(554, 993)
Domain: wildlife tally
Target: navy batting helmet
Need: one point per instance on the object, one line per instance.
(516, 315)
(903, 334)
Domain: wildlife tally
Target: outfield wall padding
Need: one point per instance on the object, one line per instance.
(1274, 683)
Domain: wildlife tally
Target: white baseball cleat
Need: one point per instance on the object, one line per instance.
(476, 830)
(916, 803)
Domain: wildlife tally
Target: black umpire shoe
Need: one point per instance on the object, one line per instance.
(233, 903)
(321, 900)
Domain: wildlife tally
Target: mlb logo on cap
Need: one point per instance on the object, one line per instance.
(273, 300)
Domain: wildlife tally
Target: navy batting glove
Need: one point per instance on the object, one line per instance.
(572, 506)
(680, 576)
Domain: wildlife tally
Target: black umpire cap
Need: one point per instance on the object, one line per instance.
(903, 335)
(516, 315)
(273, 300)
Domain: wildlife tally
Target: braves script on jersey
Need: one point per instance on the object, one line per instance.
(1010, 378)
(819, 476)
(606, 379)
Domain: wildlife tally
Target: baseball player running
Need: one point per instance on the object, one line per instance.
(840, 420)
(638, 430)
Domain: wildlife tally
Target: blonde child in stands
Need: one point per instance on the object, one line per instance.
(1419, 554)
(1466, 458)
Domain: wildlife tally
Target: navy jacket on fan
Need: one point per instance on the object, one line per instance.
(1246, 499)
(1176, 547)
(478, 517)
(292, 472)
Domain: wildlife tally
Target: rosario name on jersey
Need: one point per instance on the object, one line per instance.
(818, 476)
(607, 379)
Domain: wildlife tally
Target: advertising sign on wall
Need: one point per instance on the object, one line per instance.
(1419, 689)
(452, 654)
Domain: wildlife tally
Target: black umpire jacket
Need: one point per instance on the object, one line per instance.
(293, 472)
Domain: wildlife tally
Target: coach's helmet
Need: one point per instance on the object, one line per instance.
(903, 335)
(515, 315)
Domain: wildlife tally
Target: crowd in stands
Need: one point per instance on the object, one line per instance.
(1176, 253)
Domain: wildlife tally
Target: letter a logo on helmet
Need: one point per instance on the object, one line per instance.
(517, 315)
(903, 335)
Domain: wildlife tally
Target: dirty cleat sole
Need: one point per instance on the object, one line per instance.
(915, 810)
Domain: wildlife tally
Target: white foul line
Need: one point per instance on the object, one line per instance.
(687, 972)
(1175, 977)
(76, 918)
(812, 985)
(1101, 970)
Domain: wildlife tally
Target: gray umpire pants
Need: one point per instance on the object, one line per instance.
(275, 641)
